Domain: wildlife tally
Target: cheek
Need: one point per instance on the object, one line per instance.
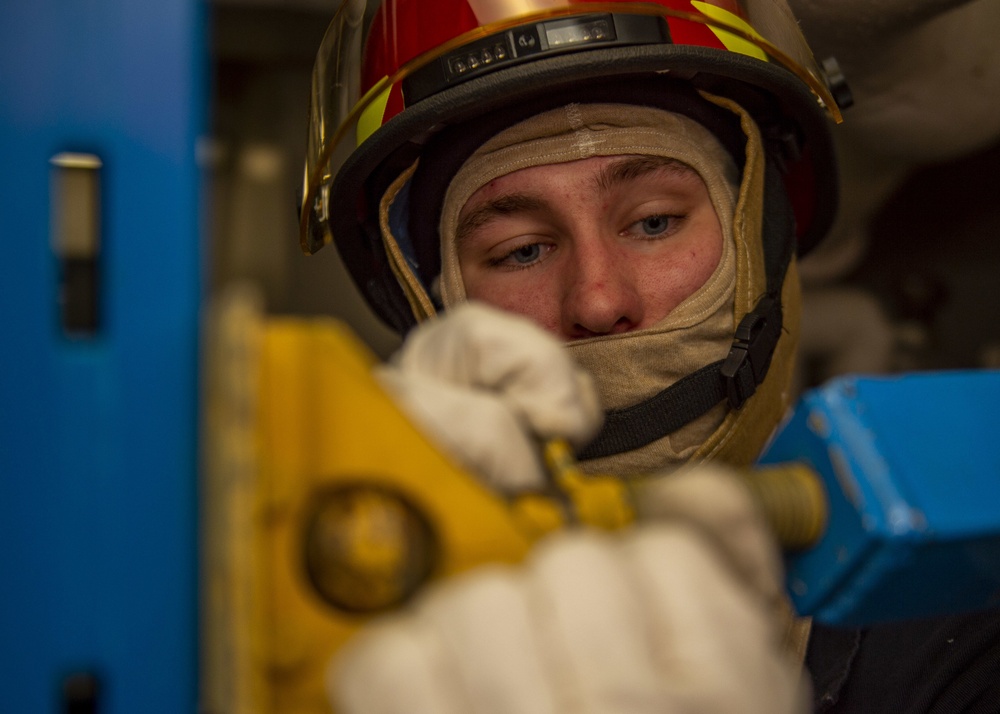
(513, 293)
(701, 261)
(680, 271)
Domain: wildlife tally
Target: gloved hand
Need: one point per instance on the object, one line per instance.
(670, 616)
(486, 385)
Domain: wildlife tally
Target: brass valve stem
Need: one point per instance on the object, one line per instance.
(791, 496)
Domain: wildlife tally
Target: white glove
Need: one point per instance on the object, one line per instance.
(486, 385)
(673, 616)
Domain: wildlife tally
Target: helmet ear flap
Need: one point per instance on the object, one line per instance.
(382, 290)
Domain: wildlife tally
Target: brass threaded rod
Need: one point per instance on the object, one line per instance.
(793, 501)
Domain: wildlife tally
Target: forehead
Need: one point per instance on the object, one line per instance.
(601, 174)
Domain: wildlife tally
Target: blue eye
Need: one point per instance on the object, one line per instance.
(655, 225)
(527, 253)
(524, 256)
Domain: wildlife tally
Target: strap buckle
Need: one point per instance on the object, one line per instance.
(750, 356)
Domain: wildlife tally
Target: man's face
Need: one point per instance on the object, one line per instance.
(590, 247)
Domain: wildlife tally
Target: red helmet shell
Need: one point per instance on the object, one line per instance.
(404, 30)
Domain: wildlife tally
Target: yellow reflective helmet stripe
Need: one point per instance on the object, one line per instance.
(733, 43)
(374, 111)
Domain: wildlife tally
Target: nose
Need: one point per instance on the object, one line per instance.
(600, 296)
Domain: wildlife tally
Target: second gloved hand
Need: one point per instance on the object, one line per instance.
(672, 616)
(486, 385)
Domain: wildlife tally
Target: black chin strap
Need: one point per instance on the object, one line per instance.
(733, 379)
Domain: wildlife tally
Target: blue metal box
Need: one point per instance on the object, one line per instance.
(912, 469)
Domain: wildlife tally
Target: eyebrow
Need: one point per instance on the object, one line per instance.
(501, 206)
(636, 167)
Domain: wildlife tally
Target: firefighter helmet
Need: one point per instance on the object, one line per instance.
(385, 84)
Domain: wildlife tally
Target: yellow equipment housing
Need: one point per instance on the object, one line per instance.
(324, 505)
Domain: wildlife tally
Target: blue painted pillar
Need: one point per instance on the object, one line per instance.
(99, 419)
